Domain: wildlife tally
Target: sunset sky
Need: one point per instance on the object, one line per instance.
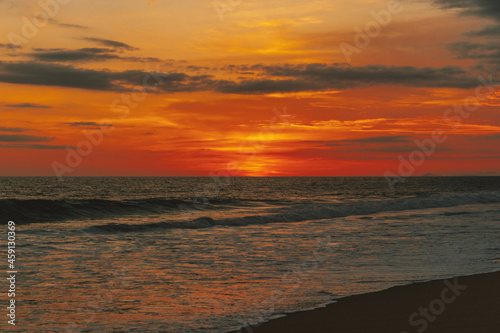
(261, 87)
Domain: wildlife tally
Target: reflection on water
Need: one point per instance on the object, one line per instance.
(216, 279)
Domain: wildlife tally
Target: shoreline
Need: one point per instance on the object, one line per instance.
(465, 304)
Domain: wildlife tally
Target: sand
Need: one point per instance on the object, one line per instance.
(469, 304)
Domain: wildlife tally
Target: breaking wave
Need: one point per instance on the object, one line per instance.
(303, 212)
(44, 210)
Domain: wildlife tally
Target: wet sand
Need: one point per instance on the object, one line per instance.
(469, 304)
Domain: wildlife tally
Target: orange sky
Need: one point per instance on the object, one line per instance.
(250, 89)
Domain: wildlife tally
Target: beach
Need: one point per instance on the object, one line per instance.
(467, 304)
(250, 166)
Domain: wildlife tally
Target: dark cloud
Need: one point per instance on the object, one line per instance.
(141, 59)
(111, 43)
(485, 54)
(38, 146)
(487, 137)
(373, 139)
(489, 31)
(293, 78)
(197, 68)
(266, 86)
(68, 25)
(87, 123)
(85, 54)
(9, 46)
(27, 105)
(395, 149)
(56, 75)
(24, 138)
(278, 78)
(466, 50)
(483, 8)
(13, 129)
(328, 143)
(339, 76)
(382, 139)
(35, 146)
(388, 153)
(48, 74)
(72, 77)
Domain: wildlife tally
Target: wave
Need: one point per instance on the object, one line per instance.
(45, 210)
(318, 211)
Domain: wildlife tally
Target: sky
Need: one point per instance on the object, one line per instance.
(249, 88)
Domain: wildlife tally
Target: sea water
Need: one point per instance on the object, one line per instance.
(212, 255)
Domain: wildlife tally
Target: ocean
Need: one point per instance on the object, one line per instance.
(188, 254)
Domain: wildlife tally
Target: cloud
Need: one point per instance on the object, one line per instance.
(251, 87)
(83, 54)
(24, 138)
(9, 46)
(395, 149)
(373, 139)
(111, 43)
(28, 105)
(35, 146)
(483, 8)
(48, 74)
(68, 25)
(56, 75)
(489, 31)
(13, 129)
(342, 76)
(328, 143)
(487, 55)
(467, 50)
(487, 137)
(87, 123)
(277, 78)
(382, 139)
(293, 78)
